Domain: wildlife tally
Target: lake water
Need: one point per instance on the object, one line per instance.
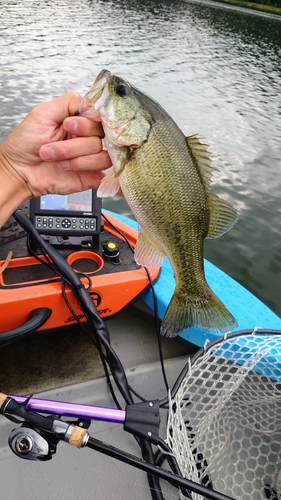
(215, 68)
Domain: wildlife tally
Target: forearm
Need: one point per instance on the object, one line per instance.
(13, 192)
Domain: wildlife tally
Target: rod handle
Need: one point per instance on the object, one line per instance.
(78, 437)
(3, 397)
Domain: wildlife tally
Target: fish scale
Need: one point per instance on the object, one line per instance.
(165, 178)
(177, 219)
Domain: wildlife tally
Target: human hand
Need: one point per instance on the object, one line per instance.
(52, 151)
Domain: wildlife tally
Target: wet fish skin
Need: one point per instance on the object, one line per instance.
(165, 178)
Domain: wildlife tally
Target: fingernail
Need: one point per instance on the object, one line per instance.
(63, 165)
(47, 153)
(70, 125)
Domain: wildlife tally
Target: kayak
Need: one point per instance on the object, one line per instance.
(29, 286)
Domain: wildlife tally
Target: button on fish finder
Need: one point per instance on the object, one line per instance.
(66, 223)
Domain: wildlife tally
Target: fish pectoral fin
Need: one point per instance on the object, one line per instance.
(147, 253)
(109, 185)
(222, 216)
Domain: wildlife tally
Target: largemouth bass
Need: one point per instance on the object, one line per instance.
(165, 178)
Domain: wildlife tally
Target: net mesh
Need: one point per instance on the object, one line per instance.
(224, 424)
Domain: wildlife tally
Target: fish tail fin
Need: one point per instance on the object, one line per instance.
(206, 312)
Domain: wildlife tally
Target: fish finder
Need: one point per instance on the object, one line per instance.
(77, 214)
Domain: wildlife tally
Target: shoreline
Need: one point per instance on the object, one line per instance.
(270, 9)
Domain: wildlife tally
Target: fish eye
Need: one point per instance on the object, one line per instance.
(121, 90)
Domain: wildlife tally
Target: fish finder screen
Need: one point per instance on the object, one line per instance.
(77, 202)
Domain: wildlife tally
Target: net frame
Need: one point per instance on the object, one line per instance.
(224, 422)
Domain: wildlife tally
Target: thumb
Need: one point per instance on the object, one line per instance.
(55, 111)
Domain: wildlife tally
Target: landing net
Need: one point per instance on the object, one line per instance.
(224, 424)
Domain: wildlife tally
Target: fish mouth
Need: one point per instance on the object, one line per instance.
(95, 97)
(93, 105)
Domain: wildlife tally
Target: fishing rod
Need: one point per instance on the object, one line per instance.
(26, 442)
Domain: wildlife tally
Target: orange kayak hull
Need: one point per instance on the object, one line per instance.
(24, 286)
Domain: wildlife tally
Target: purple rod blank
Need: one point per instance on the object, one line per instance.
(75, 410)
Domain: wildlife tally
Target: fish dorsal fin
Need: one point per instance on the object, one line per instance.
(222, 216)
(202, 157)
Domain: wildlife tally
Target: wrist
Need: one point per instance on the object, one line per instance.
(13, 190)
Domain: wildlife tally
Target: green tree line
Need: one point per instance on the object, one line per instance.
(274, 3)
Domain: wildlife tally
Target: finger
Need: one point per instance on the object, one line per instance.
(71, 148)
(58, 109)
(83, 127)
(100, 161)
(71, 182)
(90, 181)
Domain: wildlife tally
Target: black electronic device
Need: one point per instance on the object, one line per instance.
(77, 214)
